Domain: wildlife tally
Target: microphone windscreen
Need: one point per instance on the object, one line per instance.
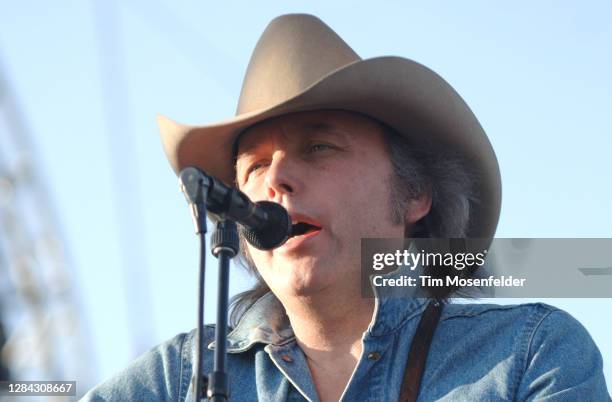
(275, 233)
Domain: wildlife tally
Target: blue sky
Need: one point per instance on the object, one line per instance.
(90, 78)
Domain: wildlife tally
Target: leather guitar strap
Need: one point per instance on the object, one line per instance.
(418, 352)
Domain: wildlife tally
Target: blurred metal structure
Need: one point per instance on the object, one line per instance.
(42, 333)
(126, 184)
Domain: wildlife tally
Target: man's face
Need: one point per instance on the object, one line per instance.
(331, 170)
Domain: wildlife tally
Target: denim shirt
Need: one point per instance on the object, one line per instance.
(479, 352)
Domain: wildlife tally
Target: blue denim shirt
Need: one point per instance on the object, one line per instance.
(480, 352)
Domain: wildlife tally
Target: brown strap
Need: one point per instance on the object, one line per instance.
(418, 352)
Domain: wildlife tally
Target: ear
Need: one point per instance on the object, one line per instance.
(417, 208)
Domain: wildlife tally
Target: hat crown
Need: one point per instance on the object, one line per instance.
(294, 52)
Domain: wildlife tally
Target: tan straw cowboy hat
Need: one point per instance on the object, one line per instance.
(300, 64)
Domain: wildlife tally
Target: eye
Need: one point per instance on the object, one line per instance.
(253, 168)
(318, 147)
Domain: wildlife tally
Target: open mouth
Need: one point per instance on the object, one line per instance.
(302, 228)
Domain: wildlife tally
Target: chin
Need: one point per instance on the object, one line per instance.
(306, 282)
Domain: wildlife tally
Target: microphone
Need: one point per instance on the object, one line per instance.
(265, 224)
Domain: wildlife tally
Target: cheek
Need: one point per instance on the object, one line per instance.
(268, 267)
(259, 257)
(262, 262)
(365, 184)
(253, 190)
(364, 203)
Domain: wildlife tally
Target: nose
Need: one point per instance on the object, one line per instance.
(281, 177)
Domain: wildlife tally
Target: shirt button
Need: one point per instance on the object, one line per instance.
(287, 358)
(374, 355)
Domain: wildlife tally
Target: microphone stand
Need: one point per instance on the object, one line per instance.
(225, 246)
(206, 193)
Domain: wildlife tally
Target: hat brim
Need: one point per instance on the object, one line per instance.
(404, 94)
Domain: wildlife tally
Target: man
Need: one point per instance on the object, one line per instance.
(359, 148)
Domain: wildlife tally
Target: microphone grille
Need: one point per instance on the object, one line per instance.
(275, 233)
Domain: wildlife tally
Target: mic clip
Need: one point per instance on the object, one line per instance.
(195, 186)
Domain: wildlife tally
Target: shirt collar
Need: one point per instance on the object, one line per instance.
(266, 321)
(393, 306)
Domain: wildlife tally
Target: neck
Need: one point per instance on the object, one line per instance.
(329, 325)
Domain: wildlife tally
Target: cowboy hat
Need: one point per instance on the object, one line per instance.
(300, 64)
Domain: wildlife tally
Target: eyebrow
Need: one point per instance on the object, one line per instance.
(304, 128)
